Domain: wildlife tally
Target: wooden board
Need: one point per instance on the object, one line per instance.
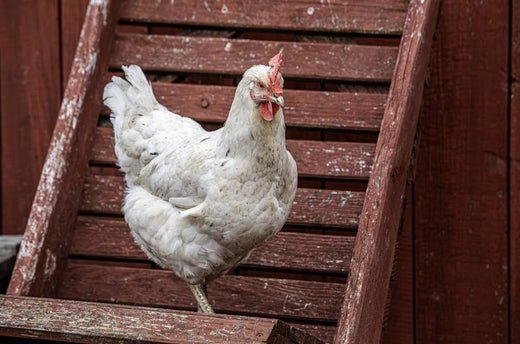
(234, 57)
(110, 238)
(281, 298)
(365, 298)
(354, 16)
(305, 109)
(87, 322)
(461, 189)
(44, 247)
(314, 158)
(104, 195)
(514, 173)
(30, 101)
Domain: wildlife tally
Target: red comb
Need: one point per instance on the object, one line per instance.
(275, 63)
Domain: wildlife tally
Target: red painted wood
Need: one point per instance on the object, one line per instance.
(305, 109)
(363, 309)
(111, 238)
(29, 104)
(339, 16)
(104, 195)
(88, 322)
(234, 57)
(461, 189)
(43, 251)
(514, 204)
(281, 298)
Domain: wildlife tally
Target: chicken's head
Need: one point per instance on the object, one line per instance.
(266, 87)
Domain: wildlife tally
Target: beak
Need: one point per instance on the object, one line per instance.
(277, 100)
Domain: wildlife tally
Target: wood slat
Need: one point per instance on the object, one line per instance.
(314, 158)
(373, 16)
(305, 109)
(111, 238)
(289, 299)
(367, 287)
(225, 56)
(88, 322)
(43, 249)
(331, 208)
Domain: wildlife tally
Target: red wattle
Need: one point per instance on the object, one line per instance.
(266, 110)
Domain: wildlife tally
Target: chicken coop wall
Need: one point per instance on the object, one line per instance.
(457, 275)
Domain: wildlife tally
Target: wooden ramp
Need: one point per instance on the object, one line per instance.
(354, 79)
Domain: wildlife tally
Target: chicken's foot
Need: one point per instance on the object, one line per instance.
(201, 296)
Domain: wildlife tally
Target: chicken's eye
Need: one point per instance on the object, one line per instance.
(261, 85)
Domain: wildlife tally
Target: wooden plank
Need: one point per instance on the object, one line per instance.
(225, 56)
(314, 158)
(305, 109)
(88, 322)
(282, 298)
(514, 173)
(43, 250)
(111, 238)
(338, 16)
(333, 208)
(30, 101)
(365, 299)
(72, 15)
(461, 206)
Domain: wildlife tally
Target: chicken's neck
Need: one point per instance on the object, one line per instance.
(247, 134)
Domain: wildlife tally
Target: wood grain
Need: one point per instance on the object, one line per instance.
(111, 238)
(88, 322)
(281, 298)
(305, 109)
(314, 158)
(104, 195)
(354, 16)
(461, 202)
(44, 247)
(234, 57)
(514, 170)
(365, 299)
(30, 100)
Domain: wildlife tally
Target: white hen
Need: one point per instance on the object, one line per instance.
(199, 202)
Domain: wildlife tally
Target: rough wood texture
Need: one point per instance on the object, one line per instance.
(225, 56)
(514, 204)
(87, 322)
(362, 311)
(314, 158)
(104, 195)
(307, 109)
(27, 113)
(111, 238)
(44, 248)
(281, 298)
(461, 188)
(338, 16)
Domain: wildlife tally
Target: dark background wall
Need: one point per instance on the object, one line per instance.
(457, 276)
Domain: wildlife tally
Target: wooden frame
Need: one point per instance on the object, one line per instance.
(46, 243)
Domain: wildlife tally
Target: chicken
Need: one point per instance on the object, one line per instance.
(199, 202)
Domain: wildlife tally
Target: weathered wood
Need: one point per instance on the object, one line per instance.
(314, 158)
(44, 248)
(225, 56)
(363, 309)
(305, 109)
(104, 195)
(385, 17)
(28, 115)
(282, 298)
(111, 238)
(88, 322)
(514, 172)
(461, 189)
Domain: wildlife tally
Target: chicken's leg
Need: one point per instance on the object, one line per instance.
(201, 296)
